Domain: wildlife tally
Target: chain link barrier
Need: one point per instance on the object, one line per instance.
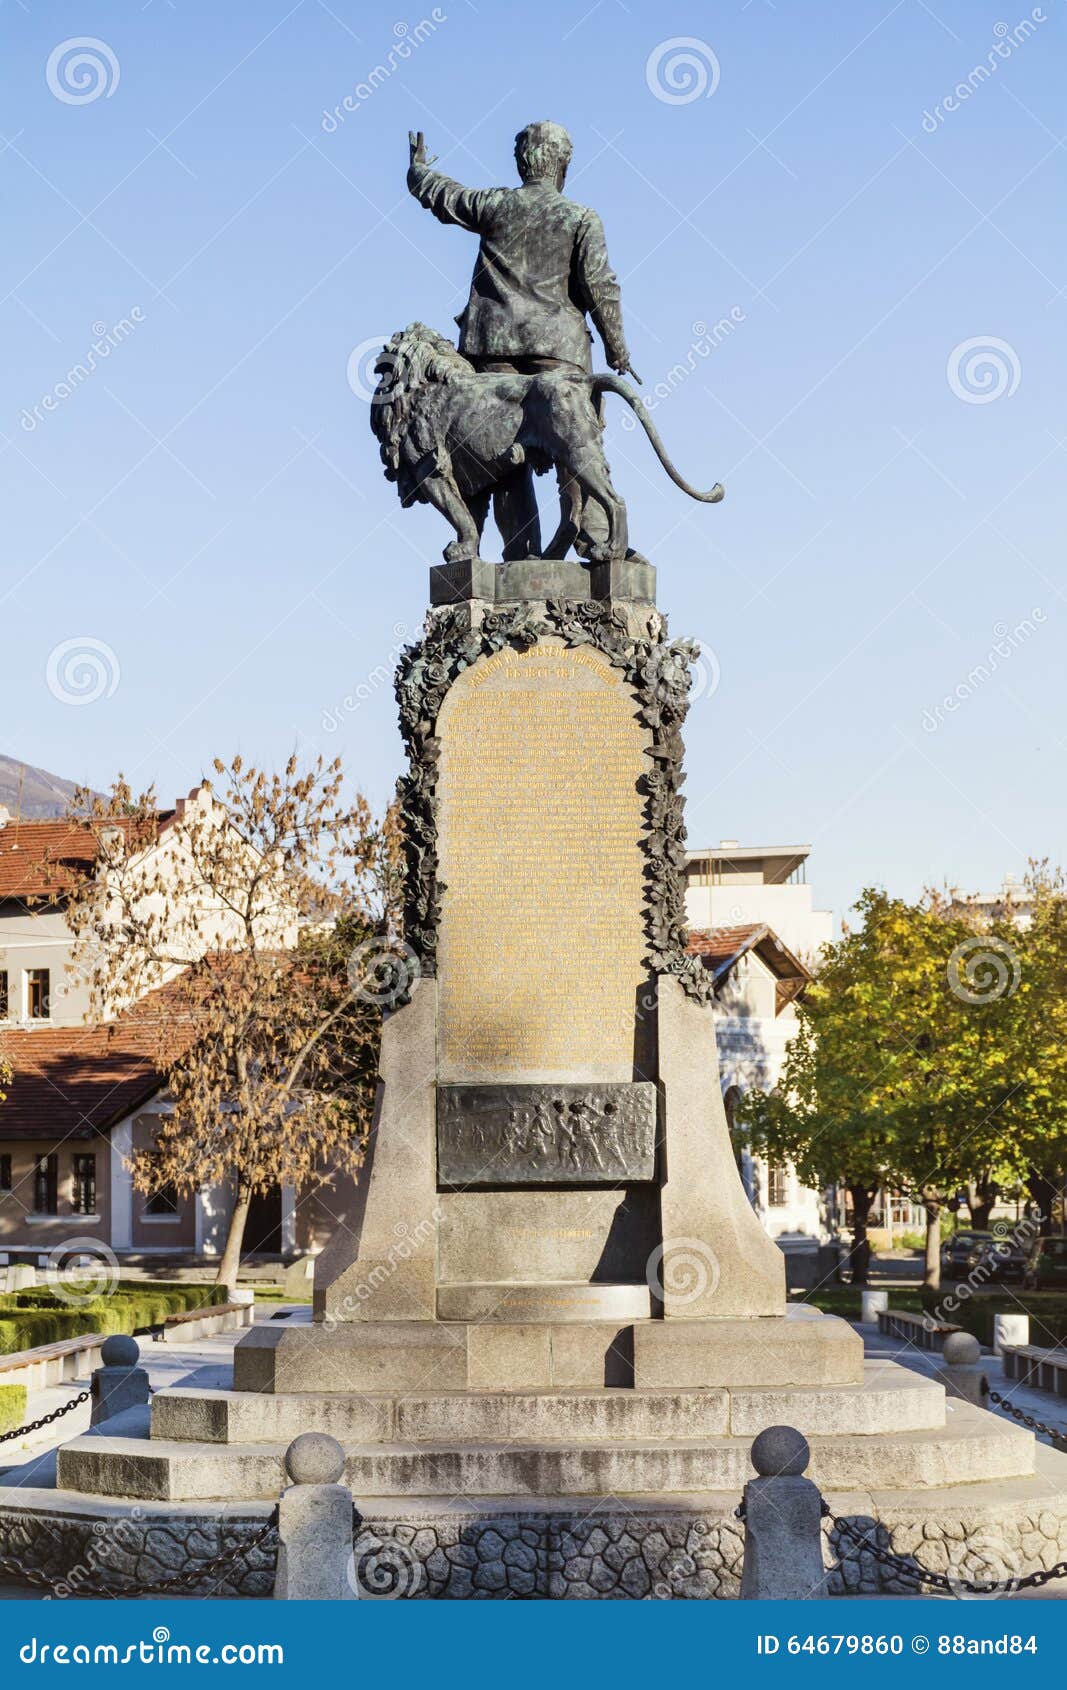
(46, 1419)
(909, 1571)
(1058, 1434)
(188, 1580)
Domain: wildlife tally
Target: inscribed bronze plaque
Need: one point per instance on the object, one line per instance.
(546, 1135)
(540, 823)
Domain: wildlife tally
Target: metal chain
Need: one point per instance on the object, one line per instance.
(910, 1571)
(46, 1419)
(190, 1579)
(1058, 1433)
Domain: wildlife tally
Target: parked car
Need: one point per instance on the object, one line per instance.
(1046, 1269)
(963, 1251)
(1006, 1260)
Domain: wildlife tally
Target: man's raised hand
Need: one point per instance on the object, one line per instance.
(417, 149)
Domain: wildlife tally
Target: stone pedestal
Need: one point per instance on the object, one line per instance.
(550, 1196)
(550, 1326)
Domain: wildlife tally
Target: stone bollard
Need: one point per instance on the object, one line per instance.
(871, 1305)
(119, 1383)
(315, 1524)
(961, 1371)
(1010, 1332)
(783, 1522)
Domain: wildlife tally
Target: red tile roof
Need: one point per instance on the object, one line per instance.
(722, 944)
(40, 859)
(719, 948)
(70, 1082)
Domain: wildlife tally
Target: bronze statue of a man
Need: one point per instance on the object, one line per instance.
(542, 267)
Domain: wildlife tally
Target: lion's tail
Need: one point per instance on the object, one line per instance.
(613, 384)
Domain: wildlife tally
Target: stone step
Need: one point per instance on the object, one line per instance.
(551, 1302)
(673, 1547)
(801, 1347)
(891, 1399)
(973, 1445)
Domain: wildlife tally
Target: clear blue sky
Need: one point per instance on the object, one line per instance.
(208, 505)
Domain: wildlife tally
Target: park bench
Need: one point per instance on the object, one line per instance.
(1044, 1370)
(51, 1364)
(201, 1323)
(72, 1358)
(920, 1329)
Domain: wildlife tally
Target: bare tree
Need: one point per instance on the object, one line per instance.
(267, 911)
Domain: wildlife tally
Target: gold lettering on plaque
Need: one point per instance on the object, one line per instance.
(539, 846)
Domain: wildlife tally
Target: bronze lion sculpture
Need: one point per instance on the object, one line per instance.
(454, 437)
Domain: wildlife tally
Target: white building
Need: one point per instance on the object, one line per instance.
(1012, 900)
(753, 921)
(42, 860)
(732, 885)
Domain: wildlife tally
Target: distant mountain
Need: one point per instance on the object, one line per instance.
(32, 793)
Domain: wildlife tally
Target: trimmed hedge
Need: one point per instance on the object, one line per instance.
(30, 1318)
(1047, 1311)
(12, 1407)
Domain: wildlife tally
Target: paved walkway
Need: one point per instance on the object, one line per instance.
(207, 1362)
(1043, 1405)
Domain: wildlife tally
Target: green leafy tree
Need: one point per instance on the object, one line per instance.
(903, 1071)
(1039, 1108)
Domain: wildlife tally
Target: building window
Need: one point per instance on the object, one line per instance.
(5, 1010)
(162, 1201)
(5, 1173)
(84, 1185)
(777, 1186)
(38, 994)
(46, 1185)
